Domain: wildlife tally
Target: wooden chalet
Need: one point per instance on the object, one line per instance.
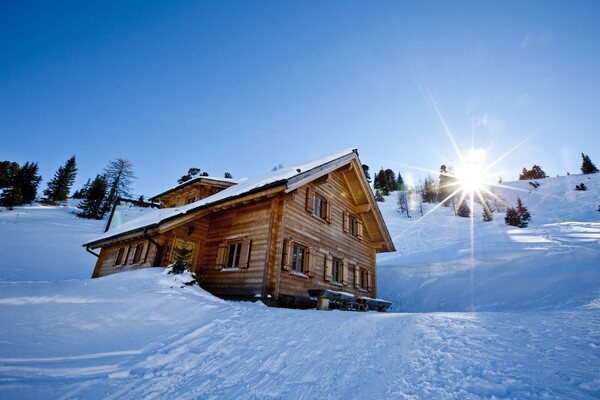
(312, 226)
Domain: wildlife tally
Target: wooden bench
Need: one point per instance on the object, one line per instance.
(367, 303)
(328, 299)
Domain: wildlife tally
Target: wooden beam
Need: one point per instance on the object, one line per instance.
(321, 180)
(363, 208)
(346, 168)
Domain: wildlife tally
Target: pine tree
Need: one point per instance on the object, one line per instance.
(587, 166)
(29, 180)
(379, 196)
(6, 170)
(379, 182)
(401, 185)
(191, 174)
(181, 255)
(228, 175)
(512, 217)
(119, 176)
(522, 210)
(60, 186)
(9, 182)
(536, 172)
(487, 217)
(517, 216)
(391, 184)
(429, 191)
(365, 168)
(91, 206)
(463, 210)
(81, 193)
(19, 183)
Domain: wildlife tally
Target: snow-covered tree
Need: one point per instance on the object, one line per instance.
(587, 166)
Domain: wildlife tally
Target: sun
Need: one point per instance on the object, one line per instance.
(470, 174)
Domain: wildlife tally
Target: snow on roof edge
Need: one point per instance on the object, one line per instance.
(247, 186)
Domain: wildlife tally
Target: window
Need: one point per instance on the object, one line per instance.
(336, 271)
(190, 200)
(137, 254)
(353, 226)
(299, 258)
(233, 254)
(318, 205)
(364, 279)
(120, 254)
(234, 251)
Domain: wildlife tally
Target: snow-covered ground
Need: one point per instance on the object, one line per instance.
(513, 313)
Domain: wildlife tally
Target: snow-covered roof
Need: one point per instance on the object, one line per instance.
(292, 176)
(202, 179)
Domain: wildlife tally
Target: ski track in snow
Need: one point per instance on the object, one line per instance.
(248, 351)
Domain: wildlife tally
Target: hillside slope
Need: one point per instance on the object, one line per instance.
(143, 335)
(553, 263)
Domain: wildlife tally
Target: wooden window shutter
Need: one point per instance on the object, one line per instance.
(345, 272)
(328, 267)
(359, 233)
(369, 281)
(356, 276)
(287, 253)
(328, 211)
(310, 194)
(221, 250)
(310, 264)
(346, 222)
(245, 254)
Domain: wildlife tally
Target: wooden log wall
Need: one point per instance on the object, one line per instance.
(250, 221)
(325, 239)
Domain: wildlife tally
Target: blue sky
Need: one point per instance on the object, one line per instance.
(242, 86)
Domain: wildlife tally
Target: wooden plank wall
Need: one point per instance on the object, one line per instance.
(325, 238)
(251, 221)
(105, 265)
